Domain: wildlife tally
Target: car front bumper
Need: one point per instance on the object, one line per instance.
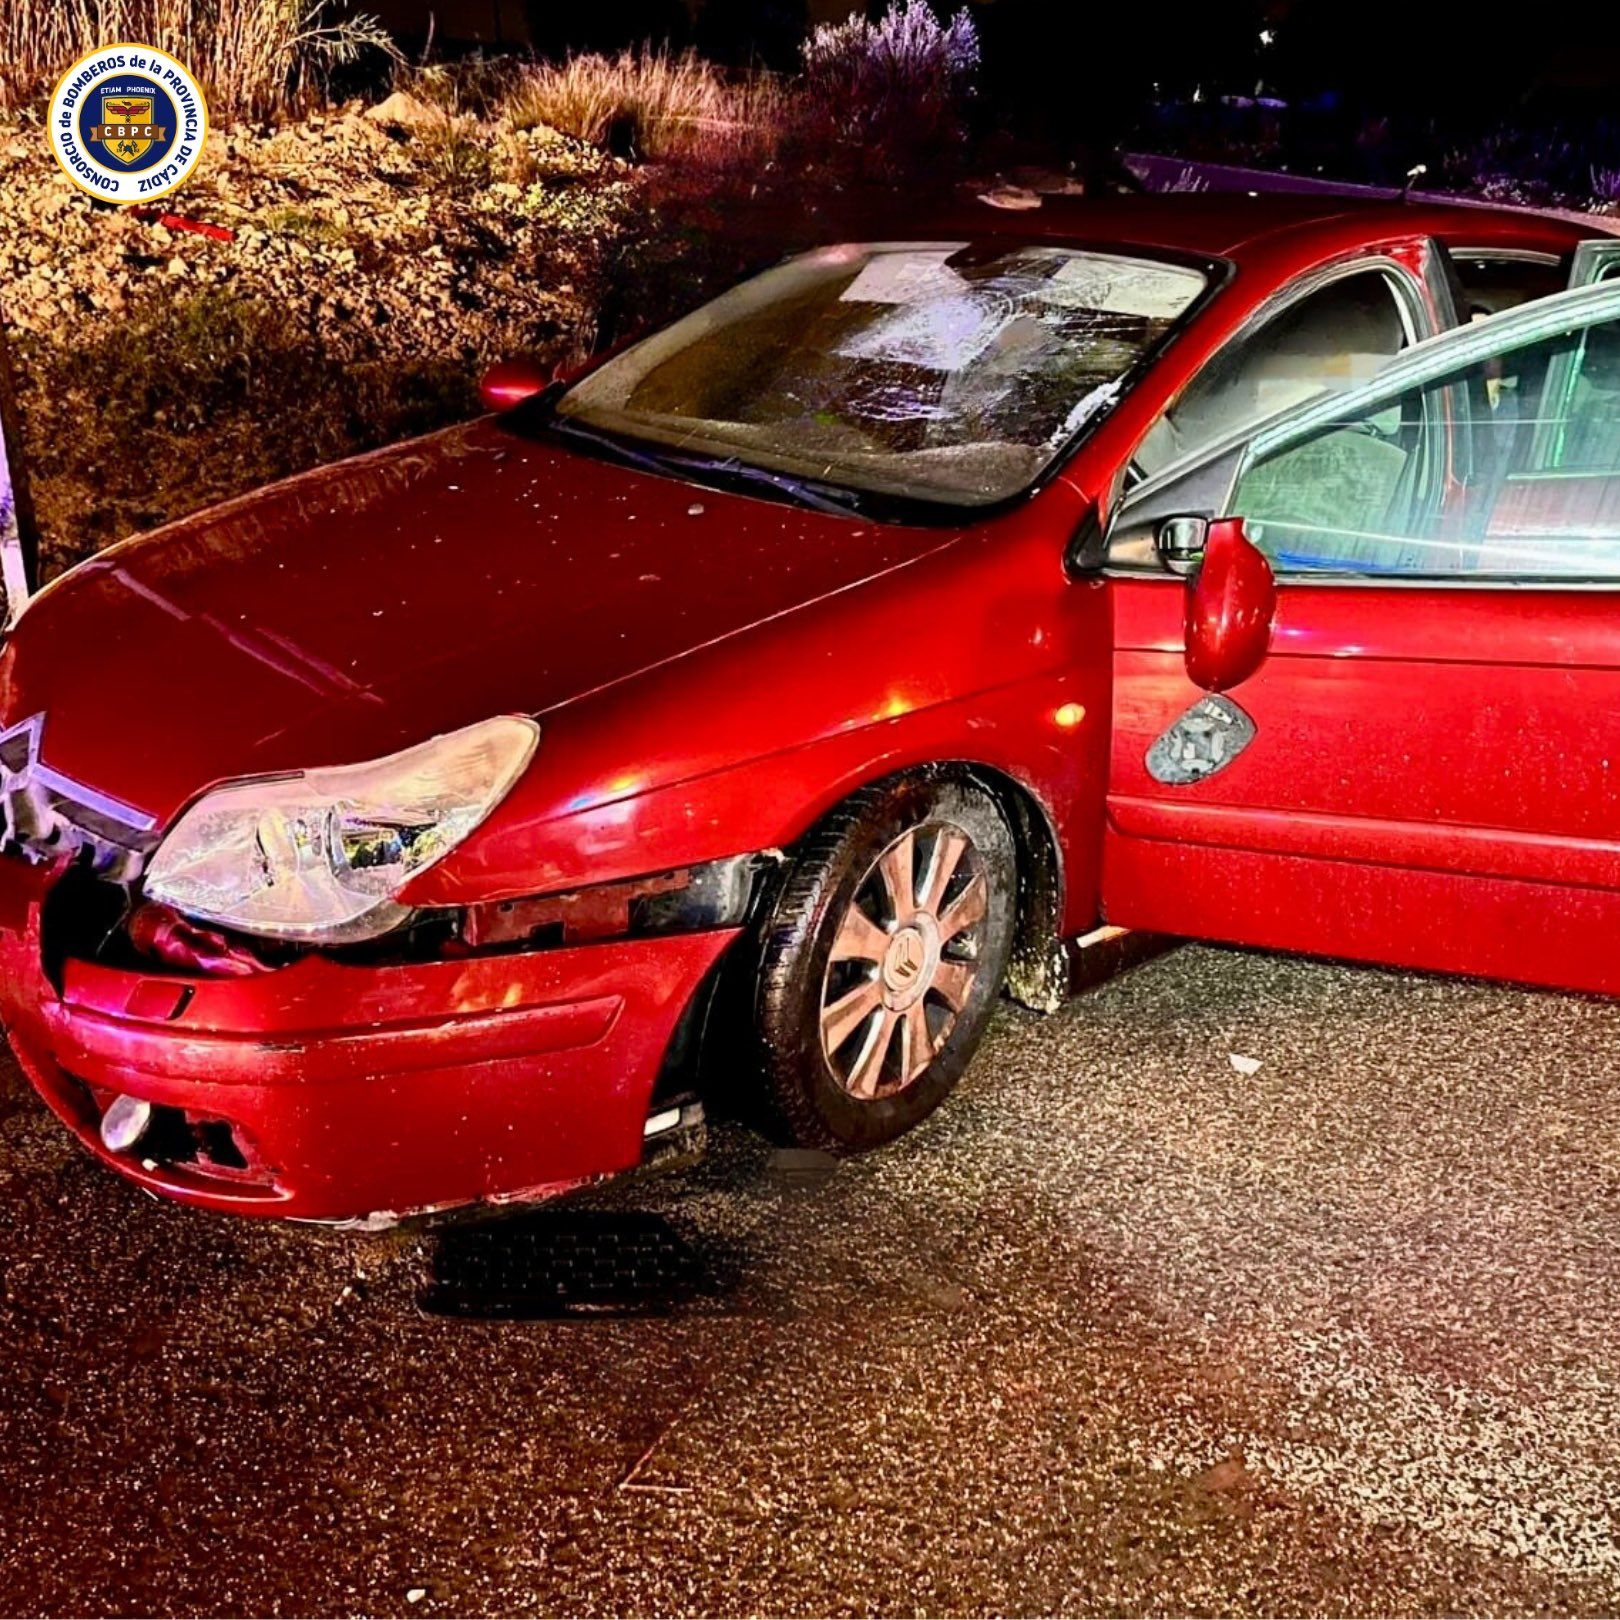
(330, 1091)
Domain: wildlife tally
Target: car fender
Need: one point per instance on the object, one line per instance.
(984, 655)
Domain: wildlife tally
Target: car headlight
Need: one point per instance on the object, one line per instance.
(321, 855)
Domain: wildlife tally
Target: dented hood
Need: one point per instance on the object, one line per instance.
(366, 606)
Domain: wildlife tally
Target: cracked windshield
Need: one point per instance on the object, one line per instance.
(950, 372)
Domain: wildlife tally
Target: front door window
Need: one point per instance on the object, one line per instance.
(1506, 468)
(1328, 340)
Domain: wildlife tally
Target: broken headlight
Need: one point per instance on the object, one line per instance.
(322, 855)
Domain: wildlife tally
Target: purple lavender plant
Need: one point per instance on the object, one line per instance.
(894, 86)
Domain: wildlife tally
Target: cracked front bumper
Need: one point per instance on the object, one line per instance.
(349, 1092)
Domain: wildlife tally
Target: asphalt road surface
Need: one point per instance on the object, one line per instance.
(1122, 1329)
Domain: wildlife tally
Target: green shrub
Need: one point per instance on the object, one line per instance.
(219, 394)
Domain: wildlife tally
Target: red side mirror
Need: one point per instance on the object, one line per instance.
(1231, 603)
(510, 382)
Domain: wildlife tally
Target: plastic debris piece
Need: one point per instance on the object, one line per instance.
(179, 222)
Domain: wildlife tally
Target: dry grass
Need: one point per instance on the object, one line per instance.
(371, 279)
(255, 58)
(652, 104)
(455, 154)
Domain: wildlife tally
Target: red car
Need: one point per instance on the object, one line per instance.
(404, 835)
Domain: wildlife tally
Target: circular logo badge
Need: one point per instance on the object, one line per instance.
(127, 123)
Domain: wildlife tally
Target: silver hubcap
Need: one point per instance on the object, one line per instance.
(903, 962)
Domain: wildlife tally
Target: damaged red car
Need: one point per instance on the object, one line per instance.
(413, 834)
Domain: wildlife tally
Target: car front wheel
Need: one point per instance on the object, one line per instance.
(882, 959)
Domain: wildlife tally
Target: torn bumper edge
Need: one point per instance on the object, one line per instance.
(363, 1093)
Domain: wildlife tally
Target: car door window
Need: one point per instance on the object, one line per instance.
(1596, 259)
(1329, 340)
(1506, 468)
(1490, 282)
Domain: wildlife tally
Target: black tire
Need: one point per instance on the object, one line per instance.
(814, 1093)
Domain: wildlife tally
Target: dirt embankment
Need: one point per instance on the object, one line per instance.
(379, 258)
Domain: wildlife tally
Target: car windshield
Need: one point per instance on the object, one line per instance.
(951, 372)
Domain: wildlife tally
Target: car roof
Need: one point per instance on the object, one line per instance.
(1232, 225)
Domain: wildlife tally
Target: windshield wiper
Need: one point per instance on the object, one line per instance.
(820, 497)
(647, 460)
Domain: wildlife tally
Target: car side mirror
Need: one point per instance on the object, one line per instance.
(1230, 608)
(510, 382)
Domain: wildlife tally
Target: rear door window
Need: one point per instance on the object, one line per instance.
(1490, 283)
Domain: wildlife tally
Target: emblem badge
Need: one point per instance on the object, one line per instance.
(127, 123)
(128, 126)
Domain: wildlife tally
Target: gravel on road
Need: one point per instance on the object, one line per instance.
(1133, 1325)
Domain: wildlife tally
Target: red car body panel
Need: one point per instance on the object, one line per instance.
(818, 722)
(363, 607)
(712, 672)
(1499, 811)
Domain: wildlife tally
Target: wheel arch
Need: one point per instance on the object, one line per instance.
(1037, 973)
(703, 1058)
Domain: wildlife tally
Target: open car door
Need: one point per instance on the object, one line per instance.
(19, 541)
(1367, 666)
(1595, 260)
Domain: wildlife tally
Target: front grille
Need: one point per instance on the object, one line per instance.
(46, 816)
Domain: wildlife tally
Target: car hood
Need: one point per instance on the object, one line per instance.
(357, 609)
